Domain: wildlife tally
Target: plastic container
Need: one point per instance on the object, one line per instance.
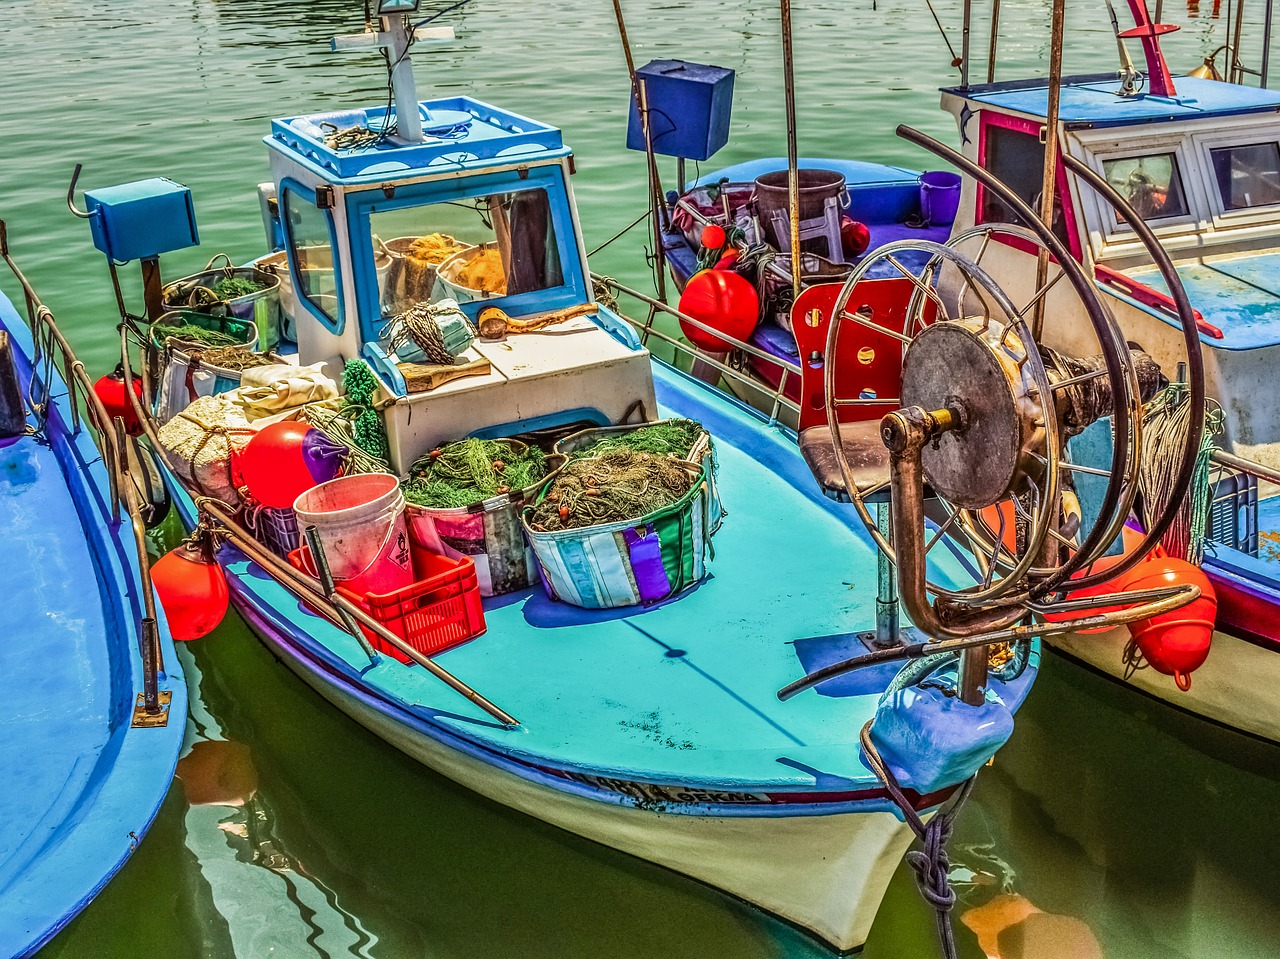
(939, 197)
(632, 562)
(439, 610)
(277, 529)
(183, 377)
(816, 187)
(488, 532)
(360, 519)
(448, 275)
(261, 308)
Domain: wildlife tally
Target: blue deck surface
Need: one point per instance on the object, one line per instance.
(1240, 295)
(683, 691)
(78, 785)
(1094, 100)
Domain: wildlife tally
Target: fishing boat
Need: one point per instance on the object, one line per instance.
(93, 695)
(622, 681)
(1195, 157)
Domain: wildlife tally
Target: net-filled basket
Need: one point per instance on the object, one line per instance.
(632, 562)
(488, 532)
(702, 451)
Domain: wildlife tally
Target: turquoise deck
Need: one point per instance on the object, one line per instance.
(78, 785)
(1236, 294)
(682, 692)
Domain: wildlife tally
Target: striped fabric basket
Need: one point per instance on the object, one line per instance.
(637, 562)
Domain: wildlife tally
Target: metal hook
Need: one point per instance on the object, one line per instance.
(71, 195)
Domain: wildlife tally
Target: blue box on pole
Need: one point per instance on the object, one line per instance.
(139, 220)
(689, 109)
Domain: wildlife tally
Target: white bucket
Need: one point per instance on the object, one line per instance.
(360, 520)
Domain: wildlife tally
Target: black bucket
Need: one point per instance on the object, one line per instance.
(772, 193)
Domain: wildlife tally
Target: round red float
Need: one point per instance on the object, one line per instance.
(722, 300)
(1177, 642)
(192, 590)
(286, 459)
(111, 392)
(713, 237)
(855, 236)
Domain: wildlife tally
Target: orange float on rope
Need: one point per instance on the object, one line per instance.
(1175, 643)
(192, 589)
(722, 300)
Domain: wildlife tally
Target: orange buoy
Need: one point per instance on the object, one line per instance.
(1175, 643)
(192, 589)
(722, 300)
(114, 396)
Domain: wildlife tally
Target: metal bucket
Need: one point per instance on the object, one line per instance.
(261, 307)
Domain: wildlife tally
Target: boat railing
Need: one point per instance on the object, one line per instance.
(703, 365)
(51, 350)
(1238, 487)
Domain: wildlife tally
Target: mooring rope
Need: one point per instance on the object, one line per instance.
(931, 864)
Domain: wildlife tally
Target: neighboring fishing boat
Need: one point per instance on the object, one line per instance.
(626, 686)
(93, 698)
(1197, 159)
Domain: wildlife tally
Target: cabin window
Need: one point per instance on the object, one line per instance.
(311, 246)
(1017, 158)
(1151, 184)
(503, 244)
(1247, 175)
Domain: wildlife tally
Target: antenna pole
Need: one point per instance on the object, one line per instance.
(995, 38)
(408, 122)
(793, 172)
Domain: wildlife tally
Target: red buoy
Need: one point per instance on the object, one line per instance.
(192, 589)
(855, 236)
(713, 237)
(111, 392)
(1175, 643)
(722, 300)
(286, 459)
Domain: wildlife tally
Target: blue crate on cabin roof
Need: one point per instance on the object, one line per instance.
(140, 220)
(689, 109)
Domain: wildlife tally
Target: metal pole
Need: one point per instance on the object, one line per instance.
(1236, 74)
(1049, 180)
(1266, 43)
(886, 586)
(995, 37)
(793, 173)
(325, 575)
(964, 45)
(656, 199)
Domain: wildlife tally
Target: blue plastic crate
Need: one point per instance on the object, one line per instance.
(139, 220)
(689, 109)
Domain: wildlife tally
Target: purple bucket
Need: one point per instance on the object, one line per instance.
(939, 197)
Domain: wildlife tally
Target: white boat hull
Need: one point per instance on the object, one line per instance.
(1235, 686)
(824, 873)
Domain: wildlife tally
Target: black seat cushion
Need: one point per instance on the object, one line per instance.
(863, 448)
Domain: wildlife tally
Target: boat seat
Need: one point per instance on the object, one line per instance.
(870, 366)
(863, 448)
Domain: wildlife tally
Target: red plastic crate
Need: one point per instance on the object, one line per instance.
(439, 611)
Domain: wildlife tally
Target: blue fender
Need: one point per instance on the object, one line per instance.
(930, 740)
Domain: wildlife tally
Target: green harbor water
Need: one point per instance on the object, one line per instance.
(1111, 825)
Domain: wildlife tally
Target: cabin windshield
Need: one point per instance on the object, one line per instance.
(1247, 175)
(502, 244)
(311, 244)
(1150, 183)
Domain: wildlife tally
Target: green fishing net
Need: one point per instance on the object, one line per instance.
(468, 471)
(618, 485)
(230, 287)
(359, 384)
(191, 333)
(670, 438)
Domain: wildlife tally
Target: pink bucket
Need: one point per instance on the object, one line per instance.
(360, 519)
